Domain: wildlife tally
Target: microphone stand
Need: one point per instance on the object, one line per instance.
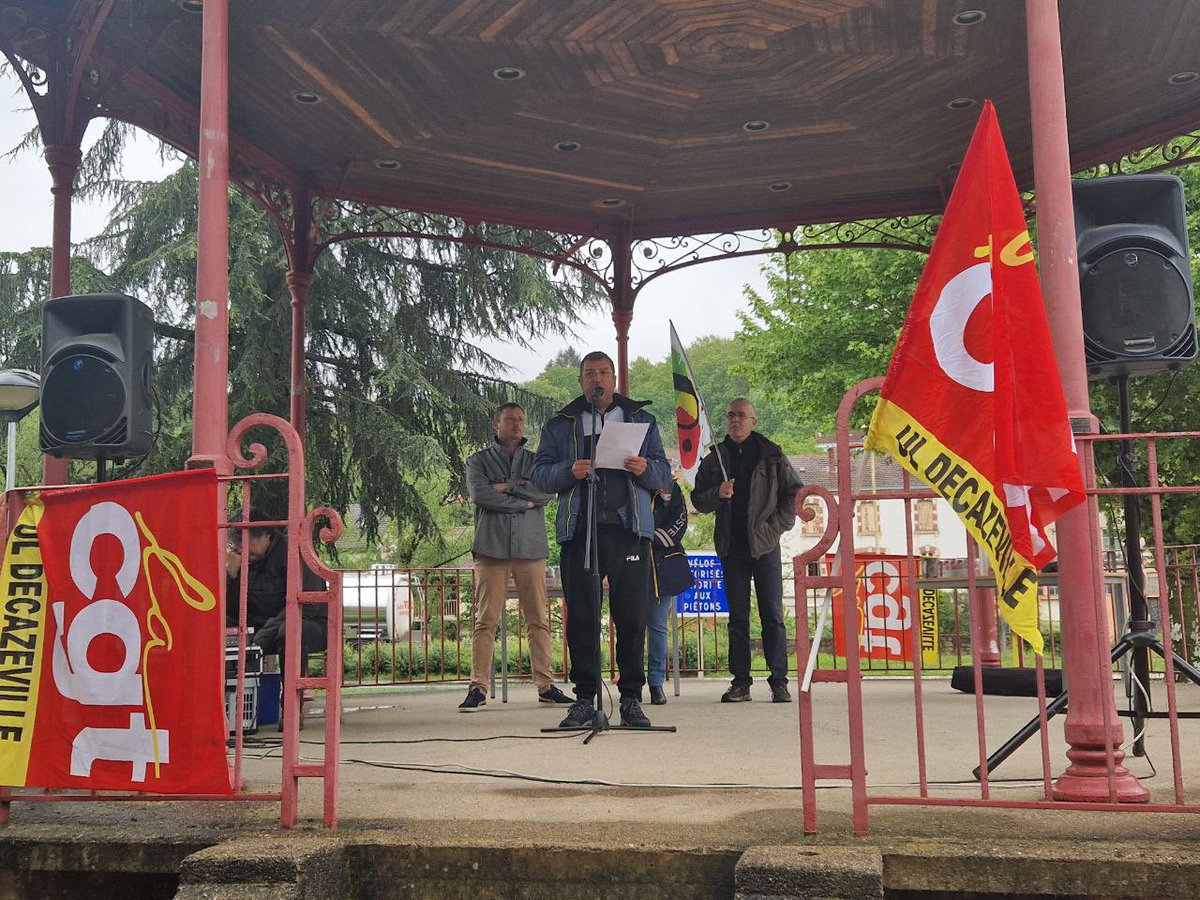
(591, 552)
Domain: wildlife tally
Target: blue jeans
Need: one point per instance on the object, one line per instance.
(656, 634)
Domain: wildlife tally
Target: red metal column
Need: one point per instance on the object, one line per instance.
(1092, 725)
(63, 161)
(984, 609)
(210, 411)
(622, 297)
(299, 284)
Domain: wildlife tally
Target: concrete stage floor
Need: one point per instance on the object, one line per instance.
(416, 770)
(494, 766)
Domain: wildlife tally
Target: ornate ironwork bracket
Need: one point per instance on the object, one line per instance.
(657, 256)
(341, 220)
(1180, 151)
(817, 551)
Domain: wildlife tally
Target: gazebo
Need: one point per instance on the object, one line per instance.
(625, 139)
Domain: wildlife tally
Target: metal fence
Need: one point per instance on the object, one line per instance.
(1155, 705)
(412, 625)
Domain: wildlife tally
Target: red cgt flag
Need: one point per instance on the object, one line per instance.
(972, 403)
(116, 600)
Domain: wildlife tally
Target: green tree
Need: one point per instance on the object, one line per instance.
(567, 356)
(829, 319)
(399, 391)
(558, 384)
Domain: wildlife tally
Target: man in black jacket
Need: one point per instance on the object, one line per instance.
(755, 504)
(266, 592)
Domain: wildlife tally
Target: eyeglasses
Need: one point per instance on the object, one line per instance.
(734, 416)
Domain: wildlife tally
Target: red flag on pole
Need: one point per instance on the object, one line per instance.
(973, 403)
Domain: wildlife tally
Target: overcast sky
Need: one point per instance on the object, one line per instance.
(702, 300)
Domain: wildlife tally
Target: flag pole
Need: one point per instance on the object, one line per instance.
(712, 435)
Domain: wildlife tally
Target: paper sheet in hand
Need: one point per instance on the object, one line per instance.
(618, 442)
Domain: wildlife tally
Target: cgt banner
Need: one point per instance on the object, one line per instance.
(111, 643)
(887, 622)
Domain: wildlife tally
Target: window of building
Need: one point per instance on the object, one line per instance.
(926, 516)
(817, 525)
(868, 516)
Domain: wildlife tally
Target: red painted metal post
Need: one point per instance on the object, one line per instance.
(622, 297)
(210, 410)
(1092, 726)
(983, 611)
(849, 621)
(63, 161)
(299, 284)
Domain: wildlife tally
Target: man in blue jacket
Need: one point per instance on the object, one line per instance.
(625, 526)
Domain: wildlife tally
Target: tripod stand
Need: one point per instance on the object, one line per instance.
(600, 720)
(1139, 639)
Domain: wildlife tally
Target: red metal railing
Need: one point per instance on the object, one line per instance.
(1173, 579)
(412, 625)
(300, 529)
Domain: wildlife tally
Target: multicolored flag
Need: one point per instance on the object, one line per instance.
(691, 421)
(115, 603)
(972, 403)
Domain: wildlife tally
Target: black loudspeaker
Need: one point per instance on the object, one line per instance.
(1134, 274)
(97, 350)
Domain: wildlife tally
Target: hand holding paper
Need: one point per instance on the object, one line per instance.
(619, 441)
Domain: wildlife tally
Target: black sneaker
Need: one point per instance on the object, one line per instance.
(737, 693)
(579, 715)
(657, 696)
(475, 699)
(553, 695)
(632, 715)
(779, 694)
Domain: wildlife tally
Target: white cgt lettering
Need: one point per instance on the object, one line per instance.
(105, 518)
(948, 325)
(134, 745)
(75, 677)
(73, 674)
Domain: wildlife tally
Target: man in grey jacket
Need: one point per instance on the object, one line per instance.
(755, 502)
(510, 537)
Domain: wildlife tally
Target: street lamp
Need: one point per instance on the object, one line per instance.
(19, 393)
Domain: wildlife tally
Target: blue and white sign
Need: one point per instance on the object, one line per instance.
(707, 598)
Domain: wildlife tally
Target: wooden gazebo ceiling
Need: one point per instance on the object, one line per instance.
(656, 94)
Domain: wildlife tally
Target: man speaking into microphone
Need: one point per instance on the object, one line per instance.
(624, 528)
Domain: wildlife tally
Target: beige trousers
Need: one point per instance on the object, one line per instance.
(491, 589)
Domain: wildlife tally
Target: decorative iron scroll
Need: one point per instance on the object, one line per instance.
(276, 199)
(817, 551)
(1180, 151)
(657, 256)
(342, 220)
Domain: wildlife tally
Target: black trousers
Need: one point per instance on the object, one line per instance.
(767, 574)
(271, 637)
(625, 560)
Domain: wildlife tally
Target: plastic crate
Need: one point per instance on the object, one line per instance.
(248, 706)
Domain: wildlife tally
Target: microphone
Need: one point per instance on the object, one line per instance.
(597, 393)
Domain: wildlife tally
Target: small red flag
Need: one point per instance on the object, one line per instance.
(972, 403)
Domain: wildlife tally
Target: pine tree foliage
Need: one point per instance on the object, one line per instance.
(399, 388)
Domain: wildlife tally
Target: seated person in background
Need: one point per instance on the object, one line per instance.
(670, 575)
(266, 576)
